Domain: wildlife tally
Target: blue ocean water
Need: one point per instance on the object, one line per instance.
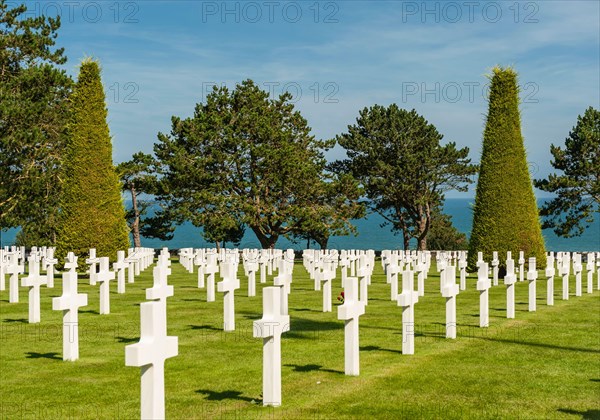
(370, 234)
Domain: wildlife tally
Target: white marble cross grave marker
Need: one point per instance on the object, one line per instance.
(34, 280)
(483, 285)
(92, 261)
(252, 267)
(462, 265)
(200, 263)
(160, 290)
(119, 267)
(521, 266)
(509, 281)
(104, 276)
(212, 267)
(228, 286)
(130, 260)
(3, 263)
(14, 269)
(407, 300)
(495, 267)
(150, 354)
(350, 312)
(269, 328)
(532, 277)
(327, 276)
(263, 259)
(577, 269)
(283, 280)
(450, 290)
(421, 274)
(565, 271)
(69, 303)
(49, 263)
(550, 271)
(364, 276)
(479, 259)
(590, 272)
(392, 273)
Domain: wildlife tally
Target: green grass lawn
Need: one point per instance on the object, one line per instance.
(544, 364)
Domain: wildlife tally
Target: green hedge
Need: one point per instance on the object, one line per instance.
(92, 212)
(505, 216)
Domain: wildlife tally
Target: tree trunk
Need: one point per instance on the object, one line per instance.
(267, 242)
(424, 223)
(135, 226)
(406, 239)
(323, 242)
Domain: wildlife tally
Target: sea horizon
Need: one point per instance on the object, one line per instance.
(370, 234)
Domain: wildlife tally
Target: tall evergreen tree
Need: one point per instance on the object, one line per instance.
(33, 116)
(92, 212)
(506, 214)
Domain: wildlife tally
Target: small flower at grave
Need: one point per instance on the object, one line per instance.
(341, 297)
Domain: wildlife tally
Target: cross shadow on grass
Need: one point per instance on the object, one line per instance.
(542, 345)
(205, 327)
(90, 311)
(224, 395)
(15, 320)
(377, 348)
(589, 414)
(312, 368)
(35, 355)
(128, 340)
(192, 300)
(311, 329)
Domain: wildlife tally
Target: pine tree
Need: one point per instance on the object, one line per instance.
(34, 94)
(506, 215)
(92, 212)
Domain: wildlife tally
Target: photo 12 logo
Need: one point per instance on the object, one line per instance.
(318, 92)
(86, 11)
(270, 12)
(469, 11)
(453, 92)
(125, 92)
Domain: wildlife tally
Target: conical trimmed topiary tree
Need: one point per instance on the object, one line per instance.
(506, 216)
(92, 212)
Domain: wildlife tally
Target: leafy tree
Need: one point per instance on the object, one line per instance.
(397, 157)
(138, 176)
(443, 235)
(33, 116)
(505, 214)
(92, 213)
(242, 159)
(578, 188)
(330, 212)
(223, 227)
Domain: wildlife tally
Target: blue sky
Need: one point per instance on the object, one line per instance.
(159, 58)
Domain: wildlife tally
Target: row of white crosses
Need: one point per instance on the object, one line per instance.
(393, 265)
(12, 262)
(154, 346)
(209, 262)
(46, 257)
